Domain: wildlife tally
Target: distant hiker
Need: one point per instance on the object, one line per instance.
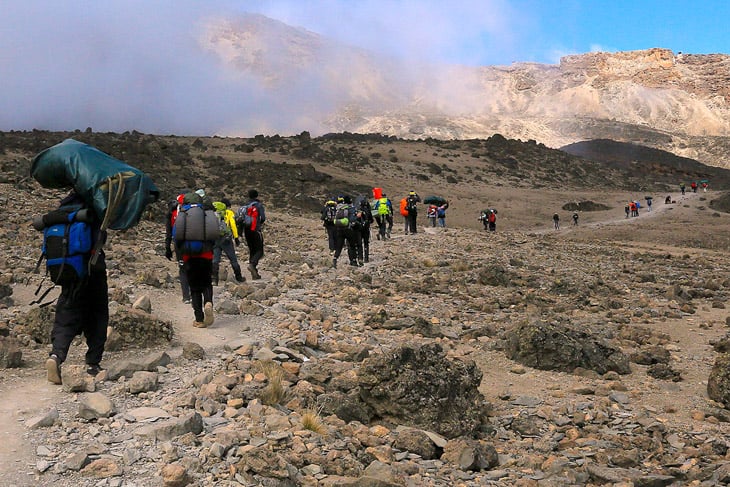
(667, 200)
(488, 218)
(328, 221)
(83, 305)
(412, 201)
(648, 204)
(556, 221)
(384, 216)
(224, 244)
(693, 185)
(196, 230)
(345, 221)
(364, 221)
(682, 187)
(431, 214)
(627, 209)
(251, 217)
(704, 186)
(575, 218)
(441, 214)
(172, 210)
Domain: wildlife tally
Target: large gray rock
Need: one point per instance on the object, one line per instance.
(95, 405)
(718, 384)
(127, 368)
(171, 428)
(417, 385)
(554, 346)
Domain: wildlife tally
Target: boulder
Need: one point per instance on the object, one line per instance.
(718, 384)
(554, 346)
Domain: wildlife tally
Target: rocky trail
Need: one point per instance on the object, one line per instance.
(189, 411)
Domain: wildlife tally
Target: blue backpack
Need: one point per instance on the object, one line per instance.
(67, 244)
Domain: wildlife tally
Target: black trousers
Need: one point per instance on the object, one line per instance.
(184, 286)
(255, 242)
(346, 235)
(363, 247)
(199, 272)
(412, 220)
(382, 220)
(331, 236)
(225, 246)
(82, 309)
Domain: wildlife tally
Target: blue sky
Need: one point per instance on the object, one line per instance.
(117, 65)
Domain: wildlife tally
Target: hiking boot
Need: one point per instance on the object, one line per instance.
(360, 263)
(186, 301)
(208, 316)
(94, 369)
(198, 324)
(353, 263)
(334, 263)
(254, 273)
(53, 368)
(240, 278)
(367, 259)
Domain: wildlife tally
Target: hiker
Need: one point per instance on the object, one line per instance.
(82, 307)
(668, 200)
(327, 215)
(172, 210)
(483, 217)
(384, 216)
(627, 209)
(412, 201)
(344, 221)
(575, 218)
(492, 220)
(693, 185)
(648, 204)
(364, 221)
(197, 253)
(253, 216)
(682, 187)
(224, 244)
(431, 214)
(704, 186)
(556, 221)
(441, 214)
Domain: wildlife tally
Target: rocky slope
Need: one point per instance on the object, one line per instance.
(525, 357)
(671, 101)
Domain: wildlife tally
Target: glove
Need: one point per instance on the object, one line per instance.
(238, 242)
(168, 253)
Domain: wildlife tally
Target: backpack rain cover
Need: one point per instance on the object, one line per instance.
(85, 168)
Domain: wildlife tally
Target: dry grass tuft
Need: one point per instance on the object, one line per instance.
(274, 391)
(312, 421)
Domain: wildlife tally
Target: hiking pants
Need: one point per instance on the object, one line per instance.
(362, 236)
(184, 286)
(432, 220)
(331, 236)
(255, 242)
(199, 273)
(442, 221)
(380, 220)
(82, 309)
(346, 235)
(225, 246)
(411, 220)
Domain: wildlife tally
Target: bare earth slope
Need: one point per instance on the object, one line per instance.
(654, 286)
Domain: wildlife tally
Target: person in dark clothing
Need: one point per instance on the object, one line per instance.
(575, 218)
(346, 233)
(198, 268)
(254, 233)
(412, 201)
(82, 308)
(172, 210)
(328, 221)
(364, 221)
(556, 221)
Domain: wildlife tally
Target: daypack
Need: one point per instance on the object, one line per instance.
(248, 216)
(382, 206)
(196, 229)
(492, 217)
(345, 216)
(330, 211)
(221, 209)
(403, 207)
(411, 203)
(67, 243)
